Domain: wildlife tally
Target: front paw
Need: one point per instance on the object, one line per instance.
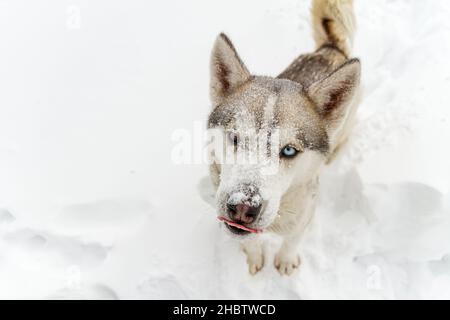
(287, 263)
(255, 261)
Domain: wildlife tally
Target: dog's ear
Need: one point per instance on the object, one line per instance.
(227, 70)
(332, 94)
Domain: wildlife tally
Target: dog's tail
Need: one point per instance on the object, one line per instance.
(334, 23)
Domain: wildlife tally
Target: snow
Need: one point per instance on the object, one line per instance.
(92, 205)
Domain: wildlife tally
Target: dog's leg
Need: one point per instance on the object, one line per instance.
(254, 252)
(287, 259)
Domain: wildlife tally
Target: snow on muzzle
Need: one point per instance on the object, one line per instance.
(242, 208)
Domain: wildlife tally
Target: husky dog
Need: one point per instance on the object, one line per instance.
(305, 115)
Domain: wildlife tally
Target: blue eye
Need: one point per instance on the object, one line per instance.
(289, 152)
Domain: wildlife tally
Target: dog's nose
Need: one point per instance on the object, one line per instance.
(243, 213)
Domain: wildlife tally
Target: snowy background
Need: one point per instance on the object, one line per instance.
(92, 206)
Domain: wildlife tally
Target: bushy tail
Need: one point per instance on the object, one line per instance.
(334, 23)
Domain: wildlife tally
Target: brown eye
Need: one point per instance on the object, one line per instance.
(234, 138)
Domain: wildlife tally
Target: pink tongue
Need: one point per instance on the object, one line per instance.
(239, 226)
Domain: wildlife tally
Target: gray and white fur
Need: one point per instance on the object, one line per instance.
(302, 116)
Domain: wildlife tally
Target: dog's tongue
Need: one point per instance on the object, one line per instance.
(239, 226)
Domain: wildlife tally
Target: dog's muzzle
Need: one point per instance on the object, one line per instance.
(243, 213)
(243, 208)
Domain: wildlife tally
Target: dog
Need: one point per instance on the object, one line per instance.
(301, 118)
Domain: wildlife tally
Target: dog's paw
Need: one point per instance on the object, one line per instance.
(255, 261)
(286, 264)
(255, 255)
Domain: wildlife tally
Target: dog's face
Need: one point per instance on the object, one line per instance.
(274, 134)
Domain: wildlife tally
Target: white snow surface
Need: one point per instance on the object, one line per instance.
(93, 207)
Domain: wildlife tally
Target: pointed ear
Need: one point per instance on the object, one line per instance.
(227, 70)
(332, 94)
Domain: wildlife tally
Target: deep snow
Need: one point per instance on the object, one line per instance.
(91, 205)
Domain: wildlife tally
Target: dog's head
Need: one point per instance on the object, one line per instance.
(276, 134)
